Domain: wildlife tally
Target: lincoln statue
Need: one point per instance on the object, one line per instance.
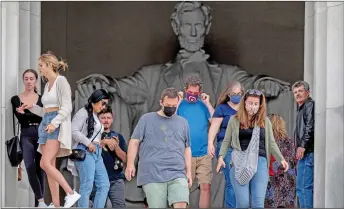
(139, 93)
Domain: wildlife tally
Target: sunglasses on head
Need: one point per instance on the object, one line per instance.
(254, 92)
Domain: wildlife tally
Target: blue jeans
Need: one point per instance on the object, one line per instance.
(92, 170)
(229, 190)
(304, 181)
(256, 188)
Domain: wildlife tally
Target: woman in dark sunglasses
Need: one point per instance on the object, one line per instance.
(249, 133)
(86, 132)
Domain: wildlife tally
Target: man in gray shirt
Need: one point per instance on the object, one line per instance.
(164, 168)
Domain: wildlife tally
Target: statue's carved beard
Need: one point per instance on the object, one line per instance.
(191, 47)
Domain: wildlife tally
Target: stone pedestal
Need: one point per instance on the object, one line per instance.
(324, 43)
(20, 49)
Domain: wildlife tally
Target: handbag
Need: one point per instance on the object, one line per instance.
(14, 151)
(80, 154)
(246, 162)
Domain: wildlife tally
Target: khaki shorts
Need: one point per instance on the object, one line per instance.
(162, 195)
(202, 169)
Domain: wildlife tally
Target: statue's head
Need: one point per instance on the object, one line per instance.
(191, 22)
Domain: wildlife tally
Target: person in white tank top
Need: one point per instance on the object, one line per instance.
(53, 131)
(49, 98)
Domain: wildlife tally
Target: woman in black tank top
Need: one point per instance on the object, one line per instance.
(29, 123)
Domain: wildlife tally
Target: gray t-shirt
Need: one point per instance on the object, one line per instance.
(162, 145)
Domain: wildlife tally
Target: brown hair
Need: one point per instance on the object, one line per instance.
(50, 58)
(278, 126)
(36, 76)
(223, 98)
(193, 81)
(258, 118)
(170, 93)
(107, 109)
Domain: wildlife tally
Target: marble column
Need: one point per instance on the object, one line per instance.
(324, 43)
(20, 48)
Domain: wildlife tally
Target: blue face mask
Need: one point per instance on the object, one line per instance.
(235, 99)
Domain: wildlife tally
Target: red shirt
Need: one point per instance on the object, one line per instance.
(271, 171)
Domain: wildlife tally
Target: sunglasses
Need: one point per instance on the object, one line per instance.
(254, 92)
(193, 93)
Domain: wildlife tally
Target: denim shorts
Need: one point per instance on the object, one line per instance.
(43, 136)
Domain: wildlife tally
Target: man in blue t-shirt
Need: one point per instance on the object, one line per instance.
(114, 156)
(197, 110)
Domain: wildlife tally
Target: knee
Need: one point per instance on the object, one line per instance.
(29, 164)
(44, 164)
(86, 187)
(205, 188)
(242, 202)
(103, 186)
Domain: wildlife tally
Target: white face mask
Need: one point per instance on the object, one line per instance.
(252, 109)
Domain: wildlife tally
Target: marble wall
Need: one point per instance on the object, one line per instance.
(20, 48)
(324, 70)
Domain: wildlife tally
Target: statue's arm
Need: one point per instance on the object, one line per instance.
(132, 89)
(271, 86)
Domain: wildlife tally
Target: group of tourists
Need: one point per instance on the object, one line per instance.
(261, 164)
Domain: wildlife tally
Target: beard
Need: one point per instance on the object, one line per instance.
(191, 47)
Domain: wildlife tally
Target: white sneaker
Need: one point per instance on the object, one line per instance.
(51, 205)
(71, 199)
(42, 205)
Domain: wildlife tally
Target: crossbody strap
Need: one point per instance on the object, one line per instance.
(97, 133)
(14, 125)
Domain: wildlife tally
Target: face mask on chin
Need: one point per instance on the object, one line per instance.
(169, 111)
(252, 109)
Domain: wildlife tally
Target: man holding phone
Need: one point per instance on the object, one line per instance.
(114, 156)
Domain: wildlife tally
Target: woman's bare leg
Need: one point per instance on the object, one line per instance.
(54, 188)
(50, 150)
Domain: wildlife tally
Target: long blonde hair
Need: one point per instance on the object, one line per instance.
(224, 98)
(278, 127)
(259, 117)
(50, 58)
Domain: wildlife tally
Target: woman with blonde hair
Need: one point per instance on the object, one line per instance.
(281, 190)
(55, 134)
(249, 134)
(227, 106)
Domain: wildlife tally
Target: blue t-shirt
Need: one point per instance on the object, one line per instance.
(197, 115)
(223, 111)
(109, 160)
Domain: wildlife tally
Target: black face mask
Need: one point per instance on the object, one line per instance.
(169, 111)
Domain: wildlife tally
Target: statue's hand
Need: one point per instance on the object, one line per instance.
(90, 83)
(269, 88)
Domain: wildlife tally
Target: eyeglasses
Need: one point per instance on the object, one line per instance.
(254, 92)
